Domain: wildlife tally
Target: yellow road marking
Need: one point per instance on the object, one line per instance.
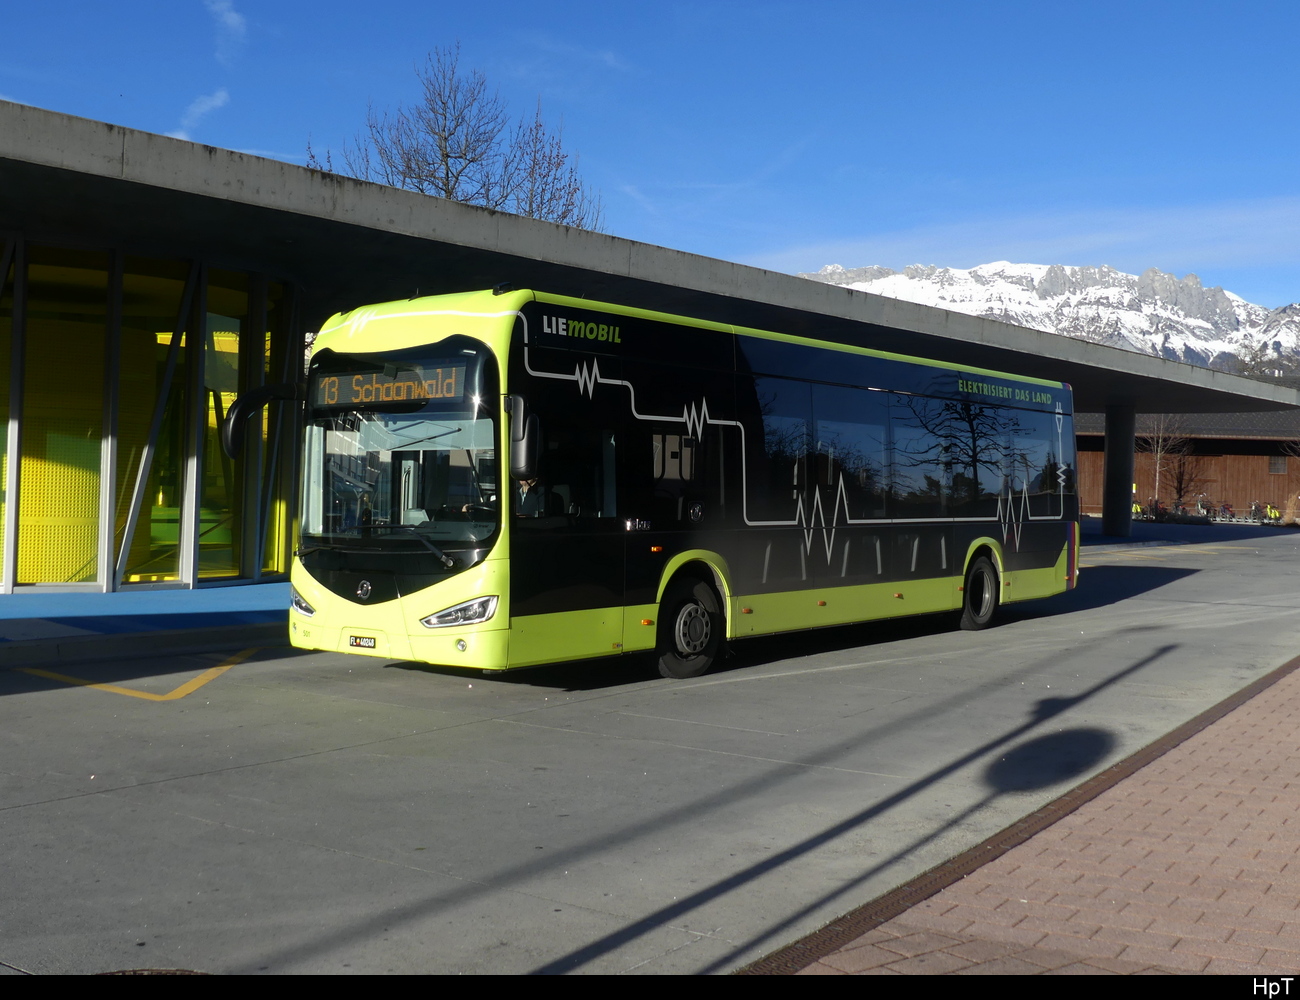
(1100, 560)
(189, 687)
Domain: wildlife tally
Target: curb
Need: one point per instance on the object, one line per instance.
(88, 648)
(1111, 546)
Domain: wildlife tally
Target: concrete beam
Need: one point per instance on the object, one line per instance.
(352, 242)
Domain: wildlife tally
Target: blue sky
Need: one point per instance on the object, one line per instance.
(783, 135)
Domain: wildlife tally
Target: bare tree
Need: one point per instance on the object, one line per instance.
(545, 183)
(1185, 471)
(1172, 457)
(457, 142)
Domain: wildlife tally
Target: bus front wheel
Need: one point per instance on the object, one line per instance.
(980, 596)
(690, 629)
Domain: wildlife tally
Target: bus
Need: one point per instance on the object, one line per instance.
(508, 478)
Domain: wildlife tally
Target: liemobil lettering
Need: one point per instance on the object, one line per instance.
(563, 327)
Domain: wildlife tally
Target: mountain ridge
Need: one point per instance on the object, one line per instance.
(1153, 312)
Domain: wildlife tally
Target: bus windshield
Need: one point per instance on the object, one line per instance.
(401, 455)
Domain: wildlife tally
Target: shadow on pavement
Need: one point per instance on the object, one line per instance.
(636, 668)
(126, 671)
(1099, 586)
(1103, 585)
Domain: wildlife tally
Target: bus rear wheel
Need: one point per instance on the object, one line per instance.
(690, 629)
(980, 596)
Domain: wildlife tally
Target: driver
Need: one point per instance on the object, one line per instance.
(530, 498)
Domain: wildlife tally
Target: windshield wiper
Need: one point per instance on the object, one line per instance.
(445, 559)
(406, 445)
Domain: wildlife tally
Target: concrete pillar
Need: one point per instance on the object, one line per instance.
(1117, 490)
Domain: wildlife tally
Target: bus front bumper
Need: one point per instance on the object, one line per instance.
(483, 649)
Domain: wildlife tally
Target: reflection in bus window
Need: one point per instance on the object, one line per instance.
(776, 481)
(674, 457)
(922, 465)
(976, 434)
(366, 470)
(1035, 466)
(852, 445)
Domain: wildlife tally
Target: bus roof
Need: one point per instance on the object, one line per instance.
(344, 331)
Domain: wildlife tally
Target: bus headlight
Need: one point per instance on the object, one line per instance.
(299, 605)
(470, 613)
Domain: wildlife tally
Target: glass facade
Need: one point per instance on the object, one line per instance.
(8, 265)
(65, 340)
(118, 371)
(150, 461)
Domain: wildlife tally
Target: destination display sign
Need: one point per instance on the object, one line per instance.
(351, 390)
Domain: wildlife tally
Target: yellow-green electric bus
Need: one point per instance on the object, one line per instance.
(507, 478)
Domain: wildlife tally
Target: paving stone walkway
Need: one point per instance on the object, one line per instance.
(1190, 865)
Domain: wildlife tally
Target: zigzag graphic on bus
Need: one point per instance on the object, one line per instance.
(1011, 519)
(1060, 466)
(361, 317)
(587, 378)
(811, 521)
(696, 419)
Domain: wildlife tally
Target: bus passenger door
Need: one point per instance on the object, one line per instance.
(567, 539)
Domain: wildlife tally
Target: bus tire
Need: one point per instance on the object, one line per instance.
(690, 629)
(980, 596)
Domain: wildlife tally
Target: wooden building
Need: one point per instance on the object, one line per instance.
(1234, 458)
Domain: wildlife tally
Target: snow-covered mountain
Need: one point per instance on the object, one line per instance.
(1152, 312)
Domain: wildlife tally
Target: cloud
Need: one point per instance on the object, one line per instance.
(563, 69)
(272, 154)
(634, 192)
(231, 27)
(698, 199)
(602, 58)
(199, 107)
(1247, 233)
(740, 186)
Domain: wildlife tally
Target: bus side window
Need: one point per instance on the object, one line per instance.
(777, 413)
(922, 456)
(579, 470)
(1038, 467)
(852, 448)
(977, 439)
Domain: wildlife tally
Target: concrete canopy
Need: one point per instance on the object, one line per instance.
(346, 242)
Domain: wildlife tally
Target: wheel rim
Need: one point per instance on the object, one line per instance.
(694, 629)
(982, 603)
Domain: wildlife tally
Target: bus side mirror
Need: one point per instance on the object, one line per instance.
(525, 433)
(248, 403)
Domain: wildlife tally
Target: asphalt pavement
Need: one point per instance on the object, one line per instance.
(251, 808)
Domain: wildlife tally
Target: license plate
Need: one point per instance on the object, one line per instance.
(361, 641)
